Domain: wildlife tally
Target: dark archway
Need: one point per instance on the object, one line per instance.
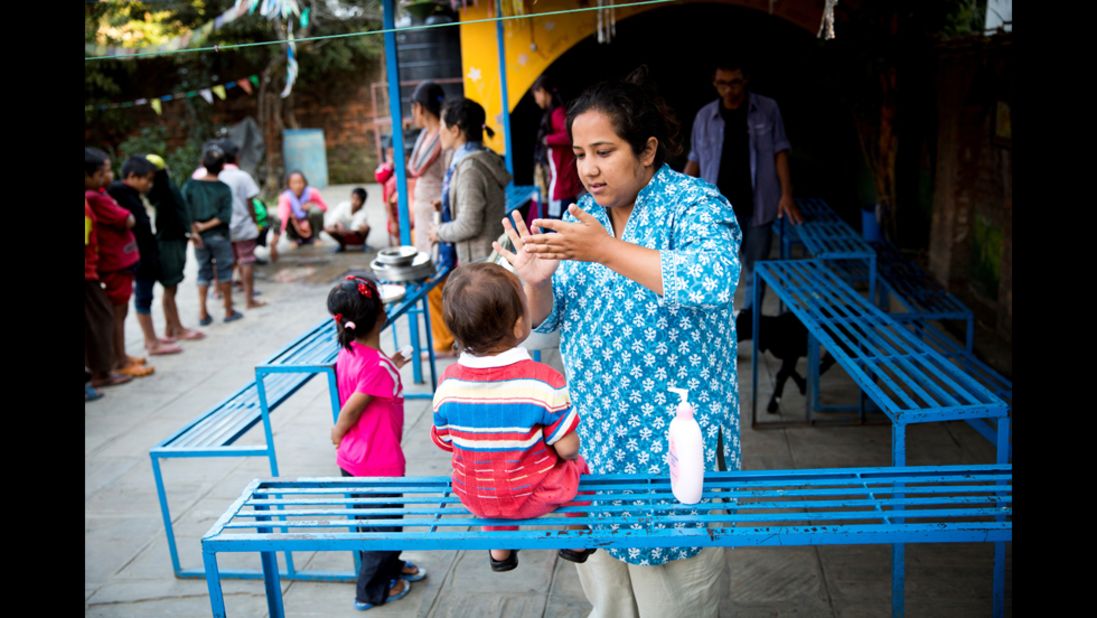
(678, 44)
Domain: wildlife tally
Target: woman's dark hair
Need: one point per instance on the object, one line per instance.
(297, 173)
(468, 116)
(637, 112)
(430, 95)
(93, 160)
(546, 83)
(356, 305)
(213, 159)
(480, 305)
(540, 150)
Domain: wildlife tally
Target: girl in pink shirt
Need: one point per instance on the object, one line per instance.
(370, 425)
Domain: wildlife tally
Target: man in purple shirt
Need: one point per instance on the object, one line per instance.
(738, 143)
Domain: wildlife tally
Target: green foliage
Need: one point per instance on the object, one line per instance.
(154, 139)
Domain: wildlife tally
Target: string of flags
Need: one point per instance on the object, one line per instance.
(247, 84)
(193, 38)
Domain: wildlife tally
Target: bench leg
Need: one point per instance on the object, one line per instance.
(430, 341)
(165, 513)
(756, 320)
(333, 393)
(898, 575)
(272, 580)
(999, 580)
(898, 551)
(1000, 548)
(213, 584)
(812, 400)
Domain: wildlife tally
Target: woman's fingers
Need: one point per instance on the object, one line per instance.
(507, 255)
(512, 233)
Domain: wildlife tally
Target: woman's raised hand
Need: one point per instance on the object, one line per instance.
(531, 269)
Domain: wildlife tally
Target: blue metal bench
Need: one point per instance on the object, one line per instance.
(920, 295)
(966, 360)
(909, 380)
(812, 209)
(215, 432)
(762, 508)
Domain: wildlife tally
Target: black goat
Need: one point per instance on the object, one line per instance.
(787, 339)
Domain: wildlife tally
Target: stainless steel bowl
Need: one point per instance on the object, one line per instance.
(397, 256)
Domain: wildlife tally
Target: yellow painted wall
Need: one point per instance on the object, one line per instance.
(531, 46)
(534, 44)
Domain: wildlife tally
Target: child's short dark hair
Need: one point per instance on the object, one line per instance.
(93, 160)
(213, 159)
(480, 304)
(230, 149)
(137, 166)
(361, 193)
(356, 305)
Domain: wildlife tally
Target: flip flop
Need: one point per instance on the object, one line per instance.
(162, 349)
(206, 321)
(113, 380)
(136, 360)
(360, 606)
(232, 317)
(137, 371)
(90, 394)
(167, 339)
(192, 335)
(419, 574)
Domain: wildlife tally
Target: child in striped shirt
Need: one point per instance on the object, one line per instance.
(507, 419)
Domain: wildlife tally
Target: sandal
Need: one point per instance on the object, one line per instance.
(419, 574)
(192, 335)
(232, 317)
(114, 379)
(164, 348)
(360, 606)
(137, 371)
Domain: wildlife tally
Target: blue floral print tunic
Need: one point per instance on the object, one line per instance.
(623, 345)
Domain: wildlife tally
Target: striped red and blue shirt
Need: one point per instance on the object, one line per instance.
(499, 415)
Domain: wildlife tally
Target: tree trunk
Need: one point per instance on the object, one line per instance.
(270, 117)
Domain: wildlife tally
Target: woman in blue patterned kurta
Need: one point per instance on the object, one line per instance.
(639, 278)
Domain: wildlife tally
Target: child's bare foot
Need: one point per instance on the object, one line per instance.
(189, 335)
(255, 304)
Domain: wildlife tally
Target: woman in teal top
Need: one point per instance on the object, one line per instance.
(639, 278)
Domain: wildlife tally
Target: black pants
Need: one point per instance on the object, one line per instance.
(378, 567)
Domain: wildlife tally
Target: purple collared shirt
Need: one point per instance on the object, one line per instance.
(767, 138)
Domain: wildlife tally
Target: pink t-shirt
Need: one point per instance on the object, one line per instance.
(372, 446)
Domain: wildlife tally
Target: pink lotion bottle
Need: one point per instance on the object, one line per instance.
(686, 453)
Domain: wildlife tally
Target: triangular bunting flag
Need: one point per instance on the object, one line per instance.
(219, 90)
(245, 84)
(207, 94)
(155, 103)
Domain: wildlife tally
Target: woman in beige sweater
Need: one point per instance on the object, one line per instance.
(473, 189)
